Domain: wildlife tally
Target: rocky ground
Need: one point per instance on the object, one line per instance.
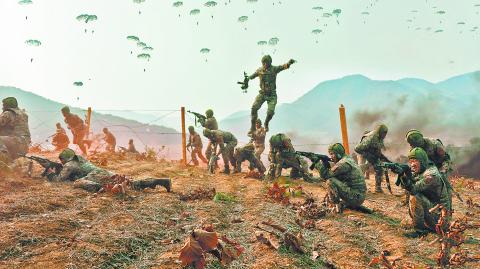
(52, 225)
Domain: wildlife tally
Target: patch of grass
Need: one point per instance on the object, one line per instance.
(11, 252)
(214, 265)
(224, 197)
(304, 260)
(29, 241)
(380, 217)
(424, 260)
(472, 241)
(363, 243)
(133, 249)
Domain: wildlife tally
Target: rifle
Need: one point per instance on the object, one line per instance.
(201, 118)
(47, 164)
(315, 158)
(384, 158)
(244, 83)
(403, 171)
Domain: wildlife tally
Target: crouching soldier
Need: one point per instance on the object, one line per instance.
(345, 181)
(227, 143)
(247, 153)
(87, 176)
(283, 155)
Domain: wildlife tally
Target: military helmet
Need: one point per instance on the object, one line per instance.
(105, 129)
(67, 155)
(209, 113)
(207, 132)
(276, 140)
(337, 149)
(66, 109)
(191, 128)
(130, 141)
(382, 130)
(420, 155)
(414, 138)
(258, 121)
(10, 102)
(267, 59)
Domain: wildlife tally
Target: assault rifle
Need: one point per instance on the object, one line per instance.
(47, 164)
(403, 171)
(244, 83)
(315, 158)
(384, 158)
(198, 117)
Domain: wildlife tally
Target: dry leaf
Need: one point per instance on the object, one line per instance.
(192, 254)
(207, 240)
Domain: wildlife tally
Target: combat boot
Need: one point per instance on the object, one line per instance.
(226, 171)
(152, 183)
(378, 184)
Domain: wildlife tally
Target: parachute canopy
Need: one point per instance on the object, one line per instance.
(25, 2)
(138, 1)
(210, 4)
(86, 18)
(273, 41)
(141, 44)
(78, 83)
(147, 49)
(33, 42)
(145, 56)
(178, 4)
(133, 38)
(205, 50)
(194, 11)
(317, 8)
(243, 19)
(262, 43)
(316, 31)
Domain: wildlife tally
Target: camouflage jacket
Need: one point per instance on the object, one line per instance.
(79, 168)
(347, 171)
(268, 78)
(245, 152)
(370, 145)
(110, 138)
(195, 141)
(431, 184)
(222, 138)
(437, 154)
(75, 123)
(281, 143)
(210, 123)
(14, 122)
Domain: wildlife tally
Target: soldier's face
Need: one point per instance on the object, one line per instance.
(414, 165)
(332, 156)
(64, 114)
(258, 125)
(266, 64)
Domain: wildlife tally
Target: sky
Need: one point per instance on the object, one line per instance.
(381, 45)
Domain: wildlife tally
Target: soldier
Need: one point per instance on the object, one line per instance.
(268, 76)
(78, 129)
(227, 143)
(110, 140)
(209, 123)
(195, 143)
(259, 139)
(283, 155)
(370, 148)
(345, 182)
(60, 139)
(91, 178)
(427, 189)
(14, 131)
(131, 147)
(247, 153)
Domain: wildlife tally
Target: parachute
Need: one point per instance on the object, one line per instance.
(194, 11)
(147, 49)
(337, 13)
(25, 2)
(144, 56)
(210, 4)
(317, 8)
(205, 50)
(178, 4)
(141, 44)
(441, 12)
(33, 42)
(316, 31)
(133, 38)
(262, 43)
(138, 1)
(273, 41)
(243, 19)
(78, 83)
(86, 18)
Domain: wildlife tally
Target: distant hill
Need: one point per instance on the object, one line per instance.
(44, 113)
(446, 109)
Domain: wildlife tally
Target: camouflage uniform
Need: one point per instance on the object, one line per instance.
(211, 124)
(89, 177)
(345, 181)
(227, 143)
(246, 153)
(426, 191)
(77, 127)
(14, 131)
(283, 155)
(259, 140)
(268, 76)
(110, 140)
(195, 142)
(60, 139)
(370, 148)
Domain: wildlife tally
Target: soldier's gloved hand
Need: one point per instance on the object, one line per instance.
(292, 61)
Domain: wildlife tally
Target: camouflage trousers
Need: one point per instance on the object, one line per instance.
(377, 167)
(209, 150)
(11, 147)
(253, 162)
(419, 206)
(285, 160)
(339, 191)
(94, 180)
(228, 152)
(261, 98)
(197, 151)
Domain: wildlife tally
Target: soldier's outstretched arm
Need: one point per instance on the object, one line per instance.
(64, 174)
(254, 75)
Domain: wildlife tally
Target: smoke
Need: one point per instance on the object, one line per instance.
(467, 159)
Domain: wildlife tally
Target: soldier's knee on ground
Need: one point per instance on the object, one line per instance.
(87, 185)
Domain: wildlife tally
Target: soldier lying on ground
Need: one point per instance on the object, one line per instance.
(87, 176)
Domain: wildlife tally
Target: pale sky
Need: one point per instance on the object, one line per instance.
(177, 74)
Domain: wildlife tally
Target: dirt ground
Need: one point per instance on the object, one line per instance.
(52, 225)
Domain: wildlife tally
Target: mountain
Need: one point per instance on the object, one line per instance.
(435, 108)
(44, 113)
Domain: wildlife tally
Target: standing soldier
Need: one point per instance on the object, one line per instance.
(370, 148)
(259, 139)
(247, 153)
(110, 140)
(195, 143)
(209, 123)
(60, 139)
(345, 182)
(131, 147)
(227, 143)
(78, 129)
(268, 76)
(14, 131)
(283, 155)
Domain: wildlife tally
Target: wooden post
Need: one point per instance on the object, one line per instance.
(89, 118)
(184, 138)
(343, 125)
